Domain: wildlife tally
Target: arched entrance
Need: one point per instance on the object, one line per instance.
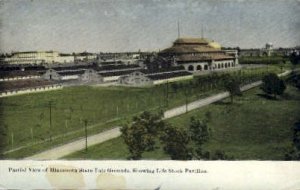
(191, 68)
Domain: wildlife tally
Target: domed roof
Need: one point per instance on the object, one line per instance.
(196, 41)
(214, 45)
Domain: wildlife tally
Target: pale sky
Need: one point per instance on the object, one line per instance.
(148, 25)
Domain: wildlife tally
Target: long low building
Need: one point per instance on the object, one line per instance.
(89, 73)
(146, 77)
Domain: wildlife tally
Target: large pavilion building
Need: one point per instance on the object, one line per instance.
(200, 54)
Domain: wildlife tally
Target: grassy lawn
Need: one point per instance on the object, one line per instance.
(26, 118)
(253, 128)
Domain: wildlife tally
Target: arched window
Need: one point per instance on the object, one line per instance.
(225, 65)
(219, 66)
(199, 68)
(191, 68)
(222, 65)
(205, 67)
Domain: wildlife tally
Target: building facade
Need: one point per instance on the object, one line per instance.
(38, 57)
(135, 78)
(200, 54)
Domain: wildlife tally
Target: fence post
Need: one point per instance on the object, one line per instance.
(12, 140)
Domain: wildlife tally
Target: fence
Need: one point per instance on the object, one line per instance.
(19, 78)
(35, 89)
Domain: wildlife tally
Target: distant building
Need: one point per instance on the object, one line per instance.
(38, 57)
(146, 77)
(135, 78)
(90, 75)
(85, 56)
(199, 54)
(266, 51)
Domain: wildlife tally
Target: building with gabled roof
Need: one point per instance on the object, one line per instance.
(199, 54)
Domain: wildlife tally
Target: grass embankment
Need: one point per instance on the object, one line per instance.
(26, 118)
(253, 128)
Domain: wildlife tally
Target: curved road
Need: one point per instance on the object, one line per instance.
(77, 145)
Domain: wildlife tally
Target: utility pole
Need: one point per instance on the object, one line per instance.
(31, 133)
(50, 119)
(167, 94)
(178, 29)
(85, 129)
(202, 35)
(12, 140)
(186, 100)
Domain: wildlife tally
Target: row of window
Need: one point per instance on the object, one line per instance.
(219, 66)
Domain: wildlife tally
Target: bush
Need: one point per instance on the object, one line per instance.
(273, 85)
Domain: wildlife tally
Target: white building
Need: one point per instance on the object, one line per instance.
(38, 57)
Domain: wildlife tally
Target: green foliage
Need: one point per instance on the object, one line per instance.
(294, 79)
(199, 134)
(273, 85)
(293, 153)
(232, 85)
(175, 143)
(208, 116)
(3, 134)
(295, 58)
(199, 131)
(221, 155)
(296, 135)
(141, 134)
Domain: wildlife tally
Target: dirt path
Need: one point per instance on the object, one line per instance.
(77, 145)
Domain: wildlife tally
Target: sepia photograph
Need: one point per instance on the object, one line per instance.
(150, 94)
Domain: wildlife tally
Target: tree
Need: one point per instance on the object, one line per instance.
(221, 155)
(175, 143)
(295, 79)
(3, 137)
(295, 58)
(293, 152)
(199, 134)
(296, 135)
(232, 85)
(273, 85)
(140, 136)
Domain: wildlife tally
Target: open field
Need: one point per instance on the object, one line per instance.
(26, 118)
(253, 128)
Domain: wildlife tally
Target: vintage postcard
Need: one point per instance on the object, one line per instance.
(150, 94)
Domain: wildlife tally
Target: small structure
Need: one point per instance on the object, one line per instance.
(135, 78)
(266, 51)
(51, 74)
(146, 77)
(90, 75)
